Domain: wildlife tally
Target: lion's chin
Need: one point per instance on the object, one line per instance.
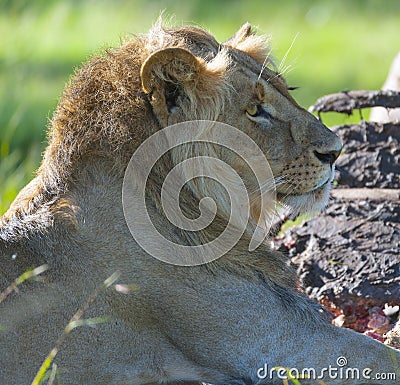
(311, 202)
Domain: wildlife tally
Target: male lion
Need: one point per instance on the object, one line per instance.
(219, 323)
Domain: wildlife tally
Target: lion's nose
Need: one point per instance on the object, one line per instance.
(327, 157)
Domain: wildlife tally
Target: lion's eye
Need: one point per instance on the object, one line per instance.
(257, 111)
(253, 110)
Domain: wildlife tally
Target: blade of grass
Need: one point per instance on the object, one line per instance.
(21, 279)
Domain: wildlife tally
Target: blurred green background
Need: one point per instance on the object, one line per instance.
(340, 45)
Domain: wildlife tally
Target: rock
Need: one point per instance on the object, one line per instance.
(371, 155)
(353, 249)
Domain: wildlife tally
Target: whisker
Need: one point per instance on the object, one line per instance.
(287, 53)
(286, 70)
(268, 185)
(274, 77)
(263, 65)
(293, 183)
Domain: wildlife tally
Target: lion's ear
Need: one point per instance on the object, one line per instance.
(256, 46)
(241, 35)
(168, 74)
(182, 85)
(174, 65)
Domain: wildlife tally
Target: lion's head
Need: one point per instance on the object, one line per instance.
(190, 76)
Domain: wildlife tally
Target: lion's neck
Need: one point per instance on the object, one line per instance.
(51, 201)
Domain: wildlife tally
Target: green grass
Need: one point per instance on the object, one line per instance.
(340, 45)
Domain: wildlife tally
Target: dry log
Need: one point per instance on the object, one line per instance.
(348, 101)
(377, 194)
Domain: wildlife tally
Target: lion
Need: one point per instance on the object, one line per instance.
(234, 320)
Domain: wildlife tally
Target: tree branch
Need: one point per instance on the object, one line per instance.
(346, 102)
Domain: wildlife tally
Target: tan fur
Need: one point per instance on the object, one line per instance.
(216, 323)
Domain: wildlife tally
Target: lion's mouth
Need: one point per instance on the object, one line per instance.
(311, 201)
